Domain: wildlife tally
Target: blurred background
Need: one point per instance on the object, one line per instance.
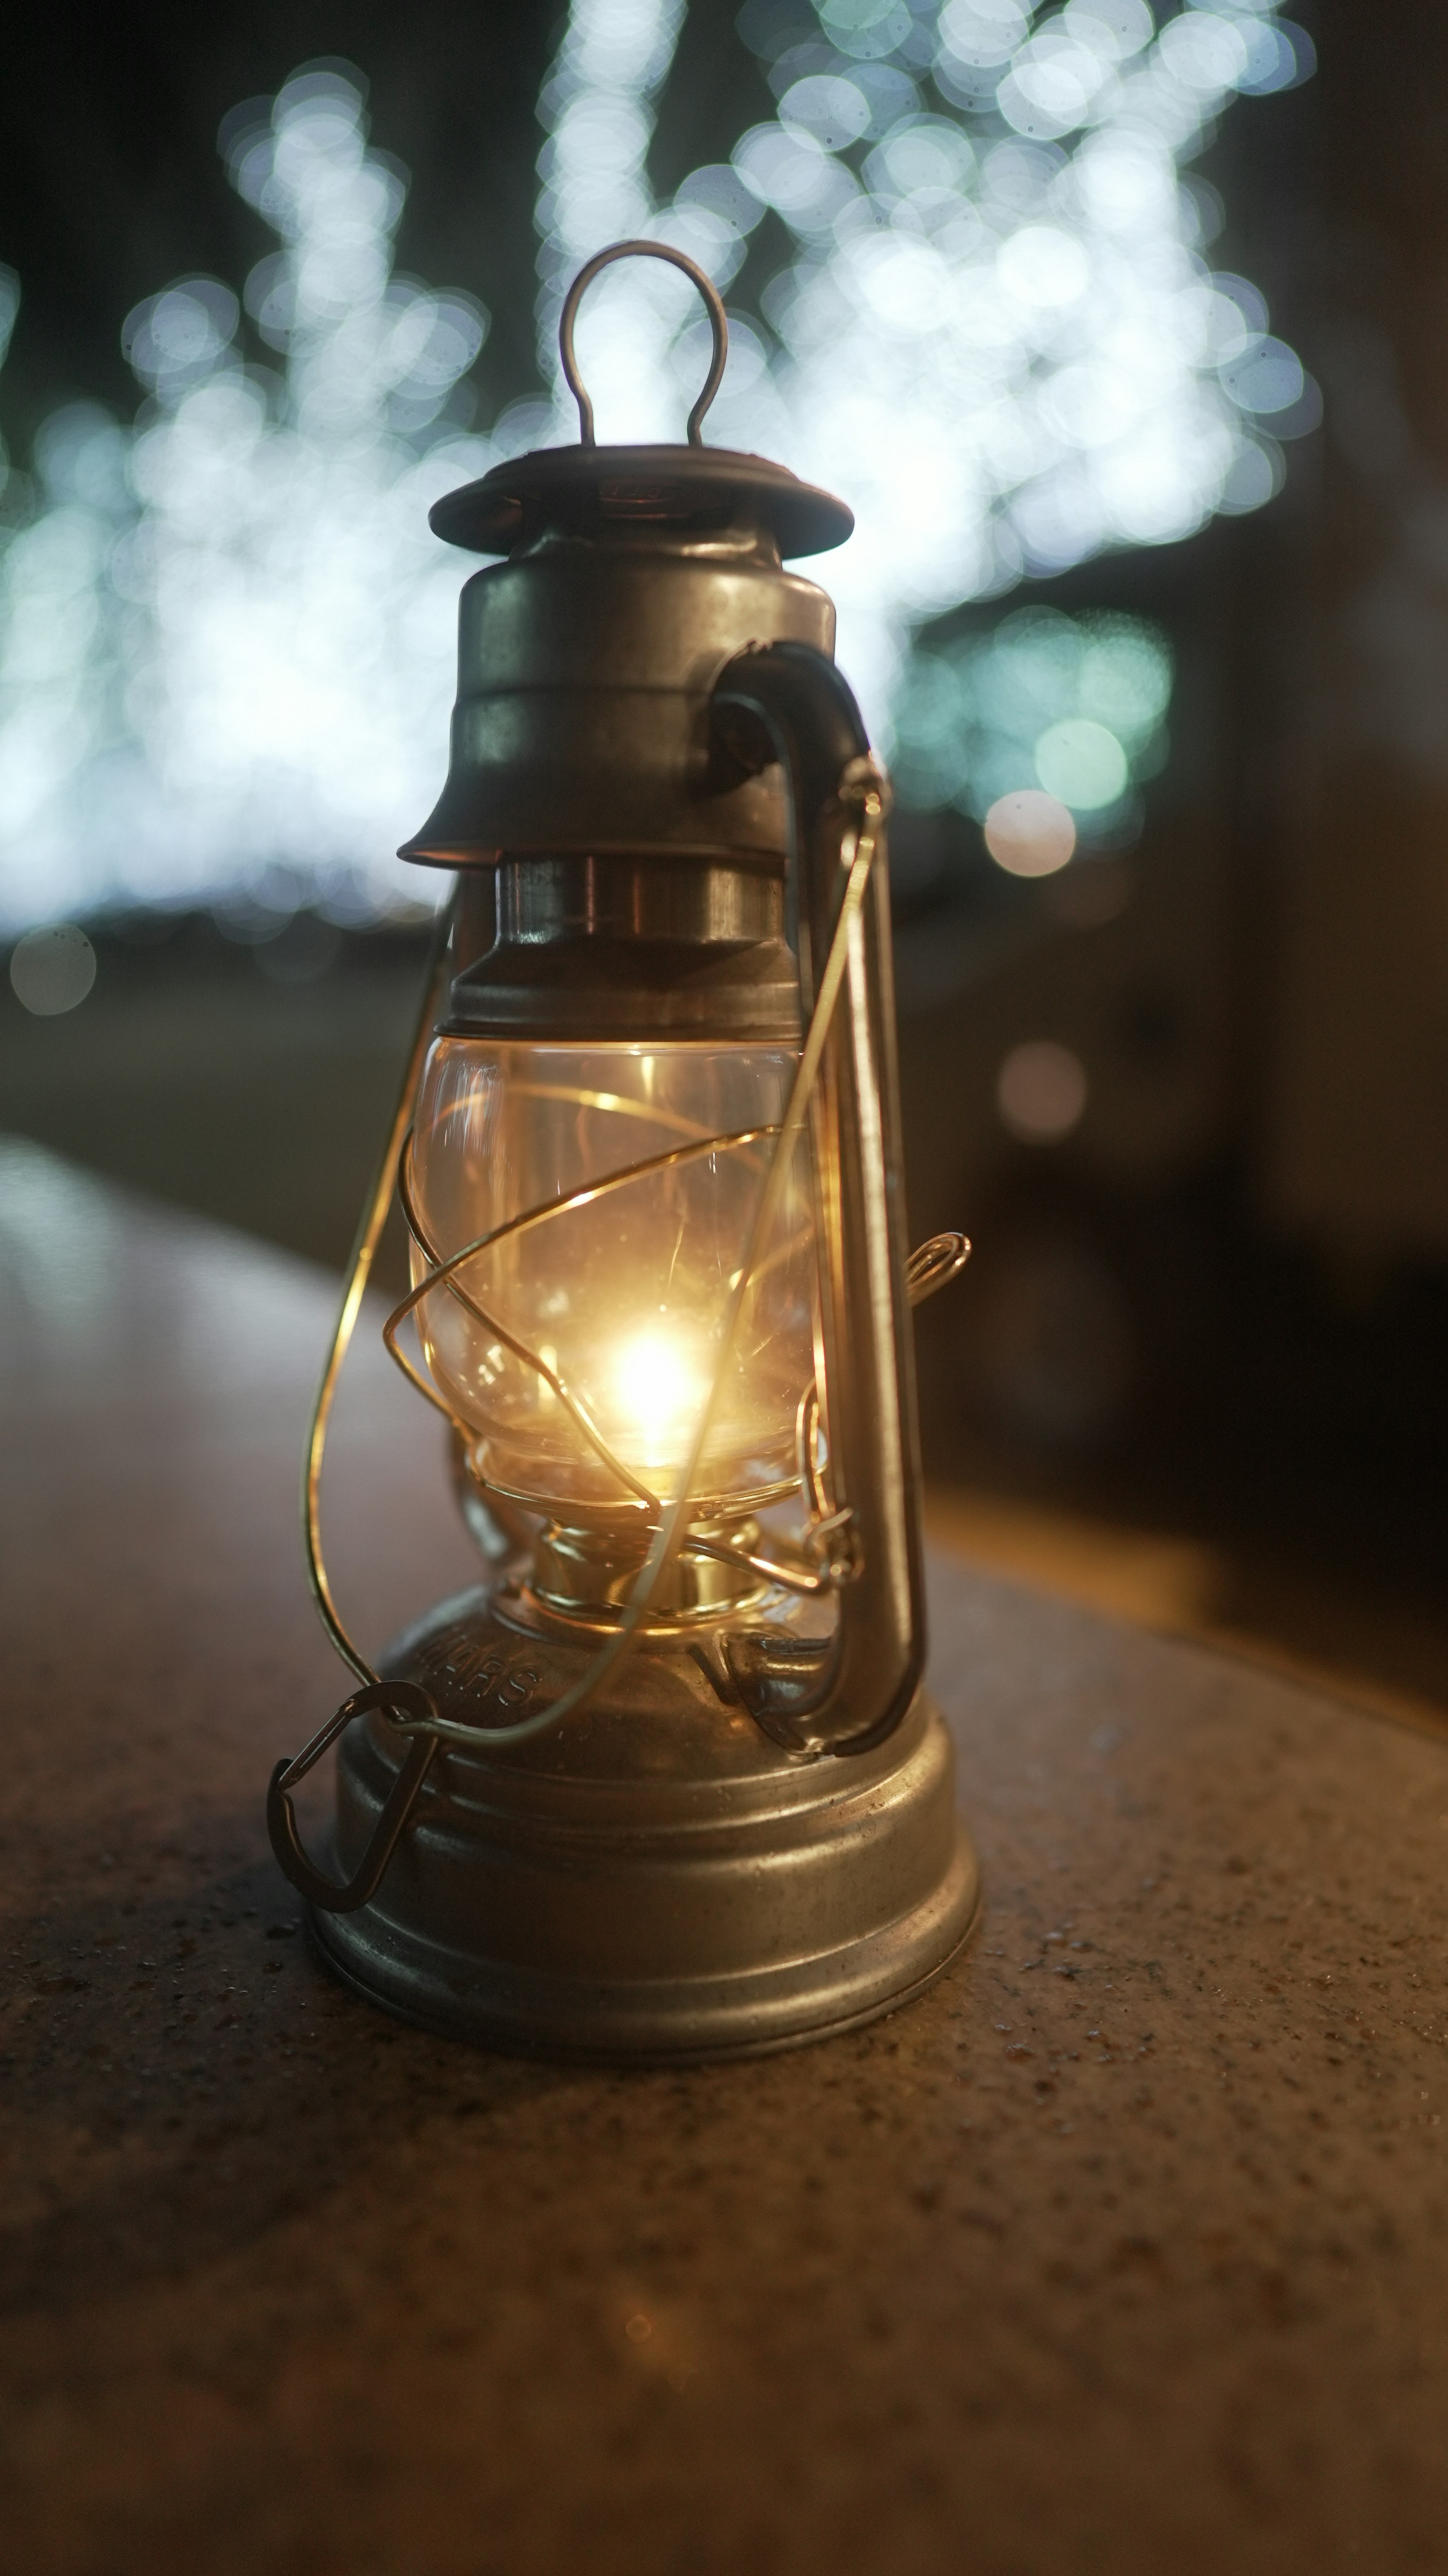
(1121, 328)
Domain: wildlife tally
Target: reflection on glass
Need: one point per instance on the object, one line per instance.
(609, 1191)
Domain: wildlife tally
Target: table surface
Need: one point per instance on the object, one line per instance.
(1124, 2250)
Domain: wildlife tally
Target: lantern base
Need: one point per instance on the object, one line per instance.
(651, 1880)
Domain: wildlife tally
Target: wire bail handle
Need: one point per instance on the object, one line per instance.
(718, 324)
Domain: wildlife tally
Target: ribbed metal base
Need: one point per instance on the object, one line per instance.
(656, 1882)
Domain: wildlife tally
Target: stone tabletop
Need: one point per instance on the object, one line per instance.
(1125, 2250)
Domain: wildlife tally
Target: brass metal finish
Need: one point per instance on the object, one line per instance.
(933, 1264)
(587, 1576)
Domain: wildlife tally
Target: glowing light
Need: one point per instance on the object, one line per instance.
(1041, 1092)
(226, 638)
(52, 970)
(657, 1392)
(1029, 834)
(1279, 56)
(176, 339)
(1267, 377)
(1072, 706)
(834, 111)
(1008, 353)
(1081, 763)
(598, 105)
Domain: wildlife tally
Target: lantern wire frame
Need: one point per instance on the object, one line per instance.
(824, 1562)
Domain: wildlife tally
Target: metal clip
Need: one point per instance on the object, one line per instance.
(833, 1545)
(409, 1706)
(934, 1264)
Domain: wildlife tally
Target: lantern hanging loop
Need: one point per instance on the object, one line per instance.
(718, 324)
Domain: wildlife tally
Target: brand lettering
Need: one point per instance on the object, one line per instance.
(462, 1671)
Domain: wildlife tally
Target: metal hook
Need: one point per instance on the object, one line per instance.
(718, 323)
(934, 1264)
(404, 1701)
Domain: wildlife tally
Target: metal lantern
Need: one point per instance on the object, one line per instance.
(667, 1783)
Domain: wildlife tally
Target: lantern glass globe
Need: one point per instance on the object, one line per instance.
(609, 1191)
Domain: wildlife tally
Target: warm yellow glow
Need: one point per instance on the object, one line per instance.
(658, 1389)
(588, 1337)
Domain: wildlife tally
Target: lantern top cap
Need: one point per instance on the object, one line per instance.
(695, 488)
(684, 489)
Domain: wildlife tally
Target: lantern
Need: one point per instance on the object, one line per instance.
(667, 1782)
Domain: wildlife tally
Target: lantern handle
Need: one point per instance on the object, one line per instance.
(718, 324)
(789, 702)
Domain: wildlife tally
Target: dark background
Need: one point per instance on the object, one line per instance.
(1198, 1363)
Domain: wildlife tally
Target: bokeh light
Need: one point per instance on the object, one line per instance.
(1074, 707)
(1007, 352)
(1041, 1092)
(1081, 762)
(52, 970)
(1029, 834)
(226, 635)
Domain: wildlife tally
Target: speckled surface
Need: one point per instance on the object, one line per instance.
(1126, 2250)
